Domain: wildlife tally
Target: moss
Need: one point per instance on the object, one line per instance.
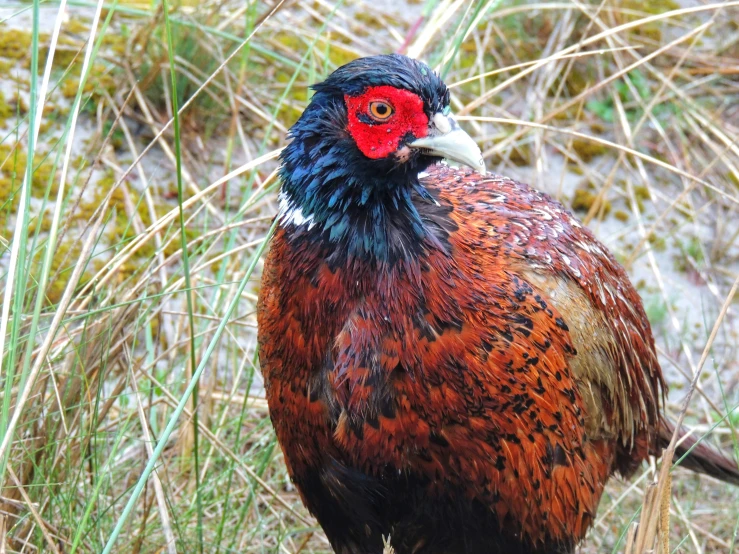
(520, 155)
(77, 26)
(528, 35)
(101, 78)
(8, 189)
(642, 193)
(469, 58)
(43, 224)
(652, 7)
(15, 44)
(195, 45)
(577, 80)
(87, 207)
(584, 200)
(13, 160)
(597, 127)
(116, 43)
(291, 43)
(658, 243)
(9, 108)
(67, 255)
(64, 57)
(5, 151)
(692, 253)
(371, 23)
(338, 55)
(128, 270)
(117, 139)
(621, 215)
(69, 87)
(6, 111)
(588, 149)
(19, 104)
(576, 169)
(119, 229)
(97, 81)
(651, 31)
(12, 167)
(575, 83)
(46, 125)
(570, 114)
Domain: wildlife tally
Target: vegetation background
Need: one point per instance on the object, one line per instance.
(138, 145)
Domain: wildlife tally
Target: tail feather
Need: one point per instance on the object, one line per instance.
(699, 456)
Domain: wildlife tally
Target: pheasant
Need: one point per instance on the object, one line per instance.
(450, 358)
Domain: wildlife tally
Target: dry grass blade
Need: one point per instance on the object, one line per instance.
(3, 549)
(615, 146)
(40, 360)
(159, 490)
(655, 509)
(50, 543)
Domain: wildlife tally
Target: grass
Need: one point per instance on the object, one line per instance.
(137, 188)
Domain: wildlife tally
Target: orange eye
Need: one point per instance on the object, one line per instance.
(381, 111)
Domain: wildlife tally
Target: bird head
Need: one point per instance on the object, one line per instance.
(394, 115)
(371, 127)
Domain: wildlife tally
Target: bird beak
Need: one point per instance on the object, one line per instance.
(447, 140)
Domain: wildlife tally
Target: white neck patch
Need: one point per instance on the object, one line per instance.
(290, 214)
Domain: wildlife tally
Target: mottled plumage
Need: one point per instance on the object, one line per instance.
(451, 360)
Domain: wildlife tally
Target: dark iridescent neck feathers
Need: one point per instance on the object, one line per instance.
(337, 196)
(359, 206)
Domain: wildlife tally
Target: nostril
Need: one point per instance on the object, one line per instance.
(442, 123)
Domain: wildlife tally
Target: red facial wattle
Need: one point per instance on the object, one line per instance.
(379, 139)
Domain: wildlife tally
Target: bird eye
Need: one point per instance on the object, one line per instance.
(381, 111)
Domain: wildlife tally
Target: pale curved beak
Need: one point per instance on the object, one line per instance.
(447, 140)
